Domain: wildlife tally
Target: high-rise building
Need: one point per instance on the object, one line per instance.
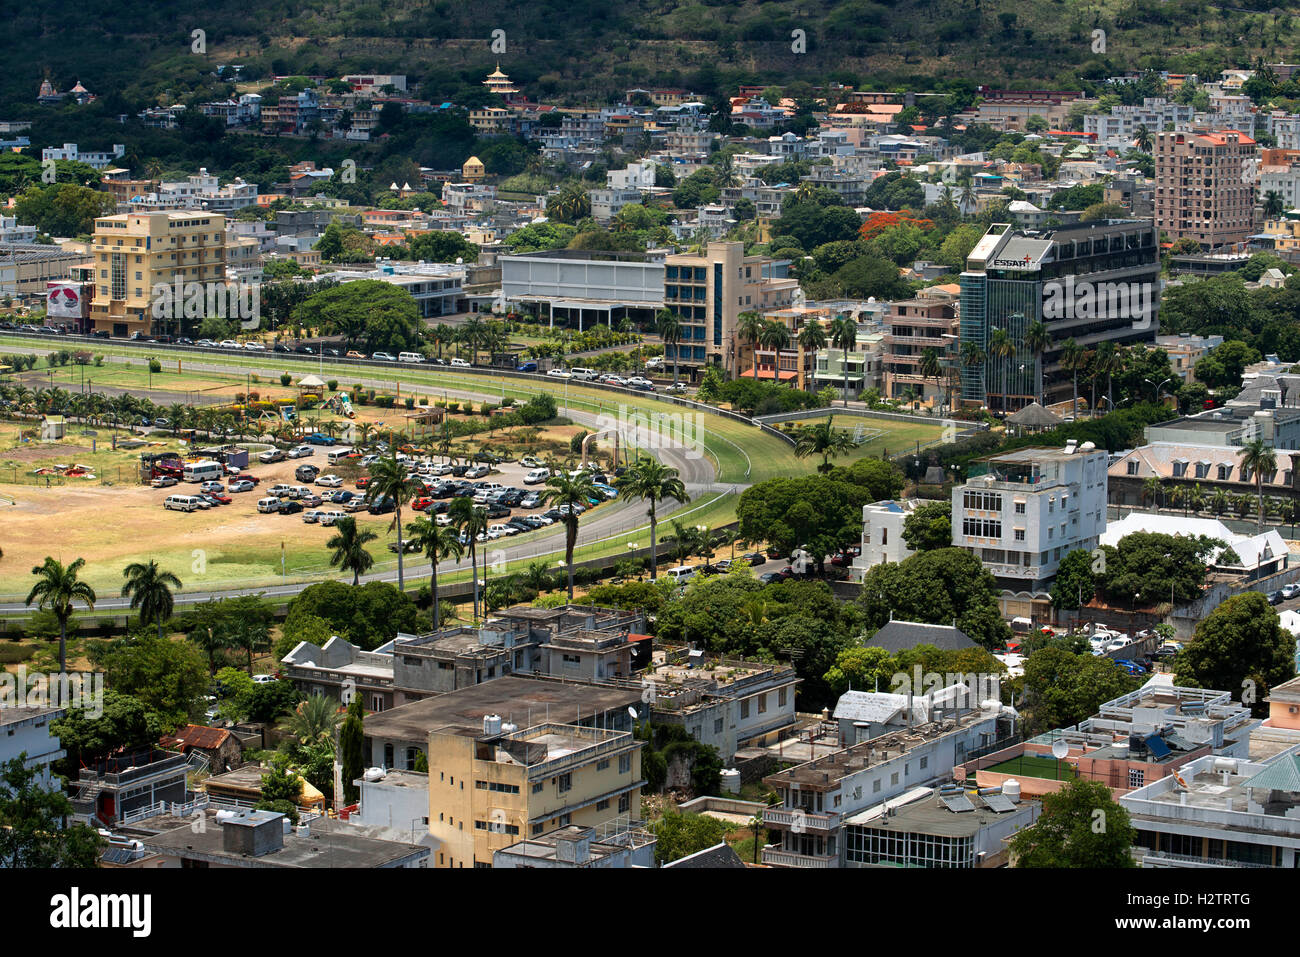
(134, 252)
(1205, 185)
(1092, 282)
(914, 326)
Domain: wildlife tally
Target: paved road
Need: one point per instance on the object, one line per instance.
(506, 555)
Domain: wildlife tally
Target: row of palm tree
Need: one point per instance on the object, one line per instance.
(59, 587)
(1258, 459)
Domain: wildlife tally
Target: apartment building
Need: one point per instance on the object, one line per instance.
(709, 292)
(1020, 512)
(492, 785)
(1092, 282)
(913, 327)
(1205, 185)
(583, 287)
(928, 735)
(882, 535)
(1120, 127)
(133, 252)
(26, 733)
(99, 159)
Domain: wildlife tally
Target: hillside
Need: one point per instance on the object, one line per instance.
(578, 49)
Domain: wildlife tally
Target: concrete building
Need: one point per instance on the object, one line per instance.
(26, 269)
(70, 152)
(133, 252)
(882, 535)
(575, 847)
(913, 327)
(584, 287)
(437, 288)
(115, 789)
(1029, 508)
(491, 785)
(1092, 282)
(26, 733)
(1220, 812)
(1204, 186)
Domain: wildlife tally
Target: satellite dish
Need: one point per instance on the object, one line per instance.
(1060, 749)
(632, 712)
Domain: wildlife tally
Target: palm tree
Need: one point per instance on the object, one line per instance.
(651, 481)
(470, 521)
(669, 326)
(968, 197)
(844, 336)
(472, 334)
(1220, 502)
(685, 541)
(749, 326)
(1143, 139)
(1072, 360)
(348, 548)
(56, 588)
(149, 589)
(1151, 489)
(825, 440)
(1104, 363)
(972, 356)
(1001, 346)
(1273, 204)
(389, 482)
(931, 366)
(435, 542)
(315, 720)
(1258, 458)
(1038, 340)
(812, 339)
(775, 336)
(564, 492)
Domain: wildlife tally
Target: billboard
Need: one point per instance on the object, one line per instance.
(64, 300)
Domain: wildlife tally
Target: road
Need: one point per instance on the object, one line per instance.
(503, 556)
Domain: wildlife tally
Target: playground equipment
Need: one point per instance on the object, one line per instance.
(341, 404)
(289, 413)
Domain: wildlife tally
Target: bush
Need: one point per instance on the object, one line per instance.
(409, 401)
(99, 360)
(385, 401)
(333, 385)
(155, 365)
(424, 400)
(453, 406)
(539, 408)
(285, 379)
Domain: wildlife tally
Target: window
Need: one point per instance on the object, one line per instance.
(781, 697)
(602, 765)
(564, 782)
(893, 778)
(624, 804)
(1132, 468)
(1136, 777)
(1020, 534)
(744, 708)
(875, 786)
(717, 726)
(624, 763)
(986, 501)
(602, 805)
(537, 788)
(925, 762)
(762, 704)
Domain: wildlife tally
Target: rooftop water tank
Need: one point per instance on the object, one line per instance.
(374, 774)
(1011, 789)
(730, 780)
(491, 724)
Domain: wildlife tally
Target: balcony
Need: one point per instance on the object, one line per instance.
(786, 818)
(779, 858)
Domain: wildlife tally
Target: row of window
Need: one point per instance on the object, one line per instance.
(981, 528)
(985, 501)
(497, 786)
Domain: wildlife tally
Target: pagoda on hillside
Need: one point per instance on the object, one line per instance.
(498, 83)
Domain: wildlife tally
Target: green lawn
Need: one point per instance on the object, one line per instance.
(1035, 766)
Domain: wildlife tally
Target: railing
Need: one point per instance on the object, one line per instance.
(788, 859)
(1186, 860)
(793, 817)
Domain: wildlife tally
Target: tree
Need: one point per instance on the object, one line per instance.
(825, 440)
(929, 526)
(56, 588)
(1273, 204)
(812, 339)
(564, 491)
(436, 542)
(348, 548)
(1062, 687)
(1156, 566)
(390, 483)
(385, 315)
(1072, 360)
(1240, 647)
(1075, 584)
(123, 723)
(168, 677)
(749, 326)
(62, 209)
(844, 336)
(150, 591)
(34, 828)
(1259, 459)
(1038, 340)
(862, 669)
(1081, 826)
(315, 720)
(649, 480)
(681, 835)
(940, 587)
(470, 521)
(352, 742)
(668, 325)
(819, 513)
(366, 615)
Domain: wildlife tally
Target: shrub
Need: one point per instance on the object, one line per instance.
(81, 357)
(99, 360)
(385, 401)
(155, 365)
(333, 385)
(453, 406)
(424, 400)
(285, 379)
(409, 401)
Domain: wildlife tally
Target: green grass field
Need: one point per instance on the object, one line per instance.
(1036, 767)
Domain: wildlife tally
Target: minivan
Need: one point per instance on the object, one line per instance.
(268, 505)
(182, 503)
(335, 456)
(578, 372)
(409, 357)
(535, 476)
(682, 573)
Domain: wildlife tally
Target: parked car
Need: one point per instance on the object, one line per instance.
(239, 485)
(211, 487)
(164, 481)
(1290, 591)
(271, 455)
(383, 357)
(306, 473)
(526, 367)
(1274, 597)
(301, 452)
(330, 516)
(559, 374)
(477, 471)
(342, 496)
(459, 362)
(320, 438)
(245, 477)
(353, 354)
(289, 507)
(329, 481)
(310, 516)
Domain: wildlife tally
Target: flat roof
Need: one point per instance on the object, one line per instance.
(929, 815)
(512, 697)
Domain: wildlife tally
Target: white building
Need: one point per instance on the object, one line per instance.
(437, 288)
(72, 153)
(11, 232)
(26, 731)
(1031, 508)
(1260, 554)
(882, 535)
(640, 175)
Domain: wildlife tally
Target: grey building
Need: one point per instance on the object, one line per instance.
(573, 847)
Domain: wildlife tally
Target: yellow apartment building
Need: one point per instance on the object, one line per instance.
(133, 252)
(493, 789)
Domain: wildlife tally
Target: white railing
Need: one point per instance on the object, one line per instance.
(783, 817)
(788, 859)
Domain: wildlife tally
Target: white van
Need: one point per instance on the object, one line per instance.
(335, 456)
(578, 372)
(537, 475)
(182, 503)
(682, 573)
(409, 357)
(268, 505)
(205, 471)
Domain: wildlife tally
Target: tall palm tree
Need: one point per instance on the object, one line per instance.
(150, 591)
(967, 196)
(775, 336)
(1273, 204)
(565, 491)
(1038, 340)
(315, 720)
(825, 440)
(1151, 489)
(844, 336)
(669, 326)
(972, 356)
(435, 542)
(1105, 362)
(470, 521)
(931, 366)
(1003, 347)
(389, 481)
(1258, 458)
(348, 548)
(749, 326)
(812, 339)
(56, 588)
(1072, 360)
(1143, 139)
(651, 481)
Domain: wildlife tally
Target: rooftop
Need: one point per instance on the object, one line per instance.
(924, 811)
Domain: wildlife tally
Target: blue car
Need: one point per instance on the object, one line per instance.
(320, 438)
(526, 367)
(1132, 667)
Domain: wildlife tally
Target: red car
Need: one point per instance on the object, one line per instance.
(420, 504)
(363, 482)
(245, 477)
(221, 497)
